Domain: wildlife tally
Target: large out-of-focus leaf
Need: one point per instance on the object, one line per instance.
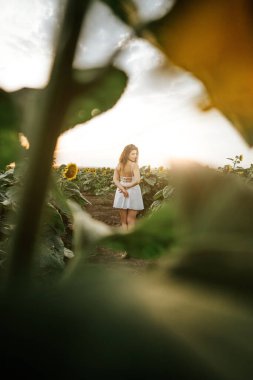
(9, 127)
(91, 93)
(49, 261)
(17, 115)
(28, 102)
(214, 41)
(210, 222)
(151, 238)
(94, 92)
(214, 212)
(9, 147)
(9, 113)
(87, 231)
(107, 322)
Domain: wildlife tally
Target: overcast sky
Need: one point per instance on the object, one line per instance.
(158, 111)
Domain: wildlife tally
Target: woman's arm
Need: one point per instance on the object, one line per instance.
(116, 180)
(137, 177)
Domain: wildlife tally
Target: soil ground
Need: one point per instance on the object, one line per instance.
(101, 209)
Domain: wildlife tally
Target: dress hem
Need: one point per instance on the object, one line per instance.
(128, 208)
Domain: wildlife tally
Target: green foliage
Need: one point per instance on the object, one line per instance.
(8, 112)
(69, 98)
(152, 181)
(69, 189)
(161, 197)
(9, 189)
(9, 128)
(200, 24)
(195, 306)
(151, 238)
(55, 237)
(236, 169)
(97, 181)
(135, 326)
(94, 92)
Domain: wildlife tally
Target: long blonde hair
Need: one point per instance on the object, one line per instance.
(125, 154)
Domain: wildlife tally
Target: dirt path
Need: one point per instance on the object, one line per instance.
(101, 209)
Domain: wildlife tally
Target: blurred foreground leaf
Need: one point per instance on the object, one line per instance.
(205, 232)
(9, 147)
(215, 217)
(87, 231)
(193, 307)
(151, 238)
(89, 93)
(214, 41)
(94, 92)
(9, 128)
(103, 321)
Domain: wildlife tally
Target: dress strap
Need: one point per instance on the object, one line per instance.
(126, 179)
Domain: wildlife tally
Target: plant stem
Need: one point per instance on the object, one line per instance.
(48, 122)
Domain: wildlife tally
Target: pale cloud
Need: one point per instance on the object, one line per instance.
(101, 35)
(153, 9)
(158, 109)
(27, 32)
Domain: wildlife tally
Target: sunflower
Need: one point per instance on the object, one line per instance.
(70, 171)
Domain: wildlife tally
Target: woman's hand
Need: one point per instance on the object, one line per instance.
(125, 192)
(126, 195)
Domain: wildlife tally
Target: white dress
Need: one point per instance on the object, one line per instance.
(134, 200)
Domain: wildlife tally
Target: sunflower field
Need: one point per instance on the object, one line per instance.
(190, 313)
(69, 182)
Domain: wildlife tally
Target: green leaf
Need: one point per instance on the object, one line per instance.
(6, 175)
(9, 112)
(158, 195)
(6, 202)
(168, 191)
(49, 262)
(68, 253)
(16, 110)
(156, 205)
(151, 238)
(150, 180)
(13, 195)
(145, 188)
(9, 147)
(53, 219)
(87, 231)
(28, 101)
(76, 195)
(94, 92)
(190, 35)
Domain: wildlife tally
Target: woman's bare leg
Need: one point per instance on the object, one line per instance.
(131, 218)
(123, 218)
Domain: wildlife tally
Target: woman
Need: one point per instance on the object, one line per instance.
(128, 199)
